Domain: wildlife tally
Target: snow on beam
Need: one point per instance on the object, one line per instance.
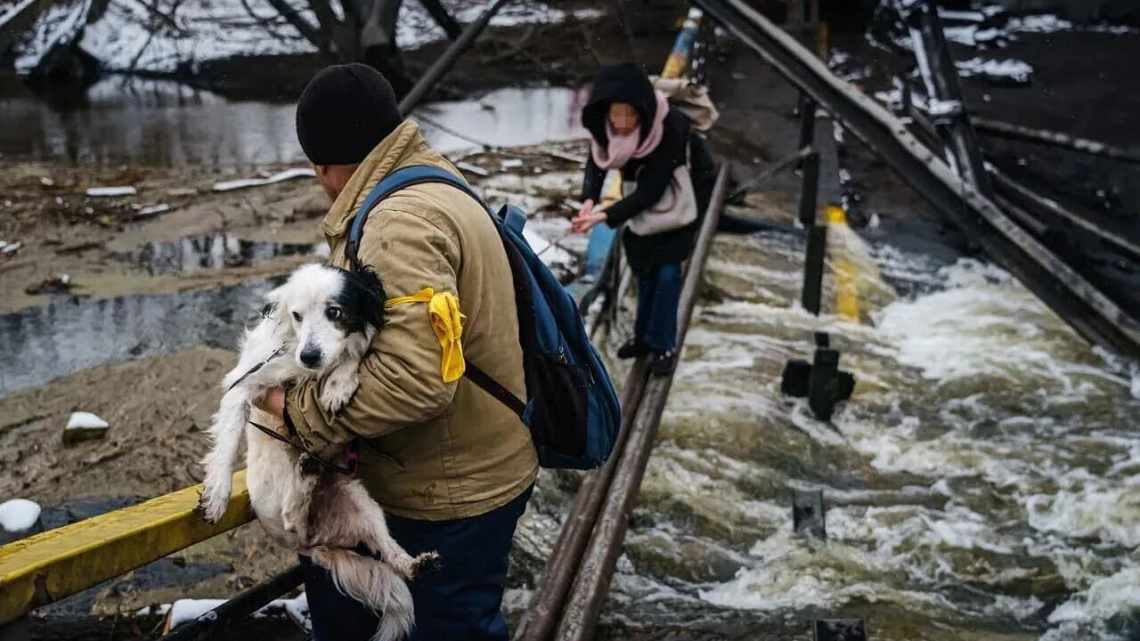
(14, 11)
(49, 566)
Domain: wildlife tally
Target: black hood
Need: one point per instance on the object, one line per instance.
(619, 83)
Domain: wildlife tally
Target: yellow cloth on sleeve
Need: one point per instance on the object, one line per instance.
(447, 323)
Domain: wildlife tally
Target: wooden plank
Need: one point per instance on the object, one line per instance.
(52, 565)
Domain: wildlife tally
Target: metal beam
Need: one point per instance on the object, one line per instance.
(596, 569)
(546, 607)
(1073, 297)
(49, 566)
(941, 79)
(1123, 236)
(1011, 131)
(771, 170)
(217, 623)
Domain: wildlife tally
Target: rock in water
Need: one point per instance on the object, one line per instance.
(84, 426)
(18, 518)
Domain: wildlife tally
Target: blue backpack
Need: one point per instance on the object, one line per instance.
(573, 412)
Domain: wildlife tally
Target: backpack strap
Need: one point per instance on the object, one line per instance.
(416, 175)
(393, 182)
(492, 387)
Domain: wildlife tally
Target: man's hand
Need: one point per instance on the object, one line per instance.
(587, 218)
(273, 402)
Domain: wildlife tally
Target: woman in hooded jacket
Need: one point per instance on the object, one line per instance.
(632, 129)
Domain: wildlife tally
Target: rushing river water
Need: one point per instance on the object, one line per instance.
(982, 483)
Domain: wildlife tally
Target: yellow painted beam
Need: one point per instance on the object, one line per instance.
(678, 58)
(846, 287)
(49, 566)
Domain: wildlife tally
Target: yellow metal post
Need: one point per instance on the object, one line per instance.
(49, 566)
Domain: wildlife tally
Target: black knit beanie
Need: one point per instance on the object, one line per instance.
(344, 112)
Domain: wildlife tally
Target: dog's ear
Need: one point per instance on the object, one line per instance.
(368, 295)
(272, 302)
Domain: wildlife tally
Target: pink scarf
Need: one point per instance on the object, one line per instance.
(622, 147)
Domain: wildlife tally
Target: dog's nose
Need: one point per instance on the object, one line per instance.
(311, 357)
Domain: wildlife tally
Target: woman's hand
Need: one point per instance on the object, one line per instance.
(587, 218)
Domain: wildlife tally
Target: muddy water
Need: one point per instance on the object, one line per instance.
(150, 122)
(982, 483)
(210, 252)
(68, 335)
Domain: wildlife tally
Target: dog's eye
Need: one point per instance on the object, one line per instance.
(333, 313)
(296, 317)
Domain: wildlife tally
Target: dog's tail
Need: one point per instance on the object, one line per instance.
(374, 584)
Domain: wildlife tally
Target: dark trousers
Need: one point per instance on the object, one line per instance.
(658, 294)
(459, 601)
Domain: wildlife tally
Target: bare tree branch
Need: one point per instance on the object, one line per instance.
(168, 19)
(267, 22)
(310, 32)
(325, 17)
(443, 18)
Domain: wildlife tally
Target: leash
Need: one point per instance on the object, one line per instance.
(275, 354)
(343, 469)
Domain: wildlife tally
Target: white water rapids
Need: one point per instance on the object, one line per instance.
(983, 481)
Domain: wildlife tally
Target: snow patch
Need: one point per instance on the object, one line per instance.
(281, 176)
(85, 421)
(165, 36)
(1009, 70)
(111, 192)
(187, 610)
(19, 515)
(129, 38)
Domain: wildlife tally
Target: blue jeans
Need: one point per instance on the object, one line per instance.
(658, 294)
(459, 601)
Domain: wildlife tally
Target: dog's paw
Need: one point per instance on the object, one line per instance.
(212, 503)
(338, 389)
(423, 564)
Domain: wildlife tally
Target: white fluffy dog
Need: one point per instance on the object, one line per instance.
(318, 324)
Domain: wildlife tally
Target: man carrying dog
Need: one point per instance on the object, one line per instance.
(451, 465)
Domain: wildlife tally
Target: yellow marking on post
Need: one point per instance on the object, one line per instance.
(675, 65)
(846, 287)
(49, 566)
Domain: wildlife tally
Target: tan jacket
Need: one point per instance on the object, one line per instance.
(435, 450)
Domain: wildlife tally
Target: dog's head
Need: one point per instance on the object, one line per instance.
(330, 310)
